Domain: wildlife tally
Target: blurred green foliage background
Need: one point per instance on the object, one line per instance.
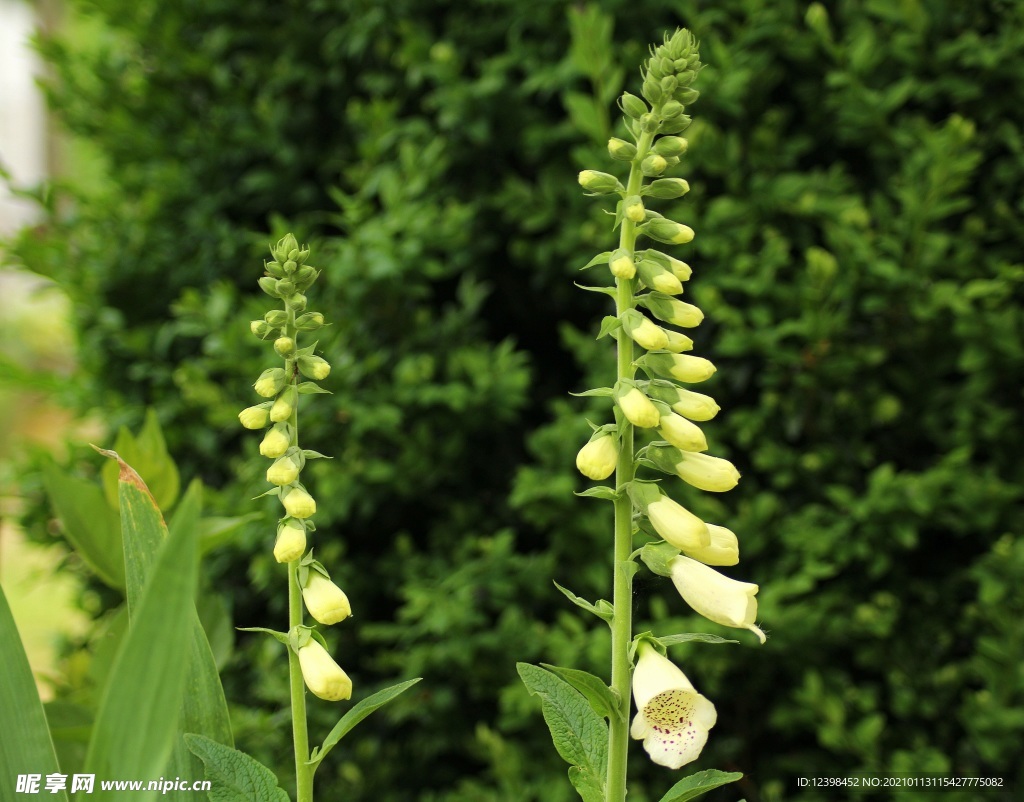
(856, 177)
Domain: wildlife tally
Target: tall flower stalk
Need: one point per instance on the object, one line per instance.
(655, 427)
(287, 279)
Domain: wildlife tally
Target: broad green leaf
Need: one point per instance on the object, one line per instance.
(90, 524)
(27, 747)
(70, 729)
(580, 735)
(699, 784)
(135, 727)
(589, 786)
(602, 698)
(602, 609)
(233, 775)
(356, 714)
(147, 454)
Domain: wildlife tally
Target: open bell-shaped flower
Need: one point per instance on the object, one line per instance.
(715, 596)
(672, 719)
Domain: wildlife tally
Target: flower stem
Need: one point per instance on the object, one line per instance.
(300, 731)
(622, 599)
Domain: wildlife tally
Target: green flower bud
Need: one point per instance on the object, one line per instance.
(673, 108)
(652, 90)
(297, 302)
(668, 231)
(291, 541)
(653, 164)
(270, 382)
(633, 209)
(649, 123)
(676, 125)
(669, 83)
(310, 321)
(632, 105)
(276, 318)
(621, 264)
(314, 367)
(598, 458)
(284, 405)
(621, 150)
(682, 433)
(274, 269)
(276, 441)
(658, 278)
(671, 146)
(637, 407)
(305, 276)
(326, 602)
(298, 503)
(673, 311)
(260, 328)
(285, 287)
(683, 367)
(284, 246)
(269, 286)
(686, 96)
(285, 346)
(598, 183)
(284, 471)
(322, 675)
(643, 332)
(668, 188)
(254, 417)
(290, 265)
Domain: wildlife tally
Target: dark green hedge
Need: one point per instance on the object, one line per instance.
(856, 195)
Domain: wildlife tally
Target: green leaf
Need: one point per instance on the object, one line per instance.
(603, 699)
(698, 637)
(602, 609)
(134, 733)
(282, 637)
(233, 775)
(606, 290)
(699, 784)
(90, 524)
(147, 454)
(657, 556)
(602, 492)
(603, 392)
(26, 736)
(600, 259)
(579, 734)
(357, 713)
(308, 388)
(587, 784)
(214, 531)
(609, 324)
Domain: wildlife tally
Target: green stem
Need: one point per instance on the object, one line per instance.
(622, 599)
(300, 730)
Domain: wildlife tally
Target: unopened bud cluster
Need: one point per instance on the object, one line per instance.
(648, 281)
(287, 278)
